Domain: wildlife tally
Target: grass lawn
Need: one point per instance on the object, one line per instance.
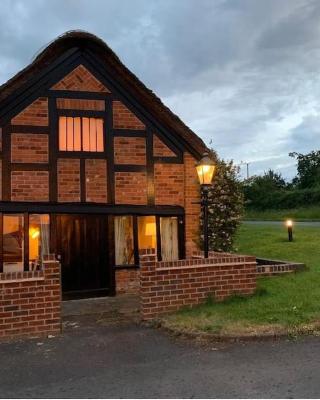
(311, 213)
(283, 303)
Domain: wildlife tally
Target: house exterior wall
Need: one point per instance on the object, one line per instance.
(136, 168)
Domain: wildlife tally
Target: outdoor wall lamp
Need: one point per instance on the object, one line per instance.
(205, 170)
(289, 224)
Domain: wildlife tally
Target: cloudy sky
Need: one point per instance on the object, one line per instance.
(243, 74)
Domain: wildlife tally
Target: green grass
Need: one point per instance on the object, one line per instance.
(287, 301)
(311, 213)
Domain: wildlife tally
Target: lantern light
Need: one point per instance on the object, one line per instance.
(205, 169)
(34, 233)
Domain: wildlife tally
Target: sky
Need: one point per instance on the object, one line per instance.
(243, 74)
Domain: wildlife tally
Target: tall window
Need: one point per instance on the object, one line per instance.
(124, 248)
(13, 243)
(169, 238)
(81, 134)
(38, 239)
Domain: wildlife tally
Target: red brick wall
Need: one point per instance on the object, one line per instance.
(168, 286)
(35, 114)
(29, 185)
(123, 118)
(80, 79)
(96, 181)
(30, 302)
(191, 204)
(160, 149)
(29, 148)
(78, 104)
(68, 180)
(127, 281)
(131, 187)
(169, 184)
(130, 150)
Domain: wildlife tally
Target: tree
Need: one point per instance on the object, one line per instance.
(308, 169)
(258, 190)
(225, 208)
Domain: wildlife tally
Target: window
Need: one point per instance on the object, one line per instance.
(124, 248)
(147, 232)
(38, 239)
(13, 243)
(81, 134)
(169, 238)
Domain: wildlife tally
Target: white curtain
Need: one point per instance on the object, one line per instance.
(169, 238)
(44, 235)
(123, 240)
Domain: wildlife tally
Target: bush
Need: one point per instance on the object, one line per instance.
(225, 208)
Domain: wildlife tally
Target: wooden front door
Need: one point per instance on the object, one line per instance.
(82, 243)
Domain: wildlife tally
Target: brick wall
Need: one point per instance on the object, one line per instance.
(168, 286)
(130, 150)
(29, 148)
(96, 180)
(123, 118)
(127, 280)
(68, 180)
(30, 302)
(169, 184)
(35, 114)
(131, 188)
(80, 79)
(79, 104)
(191, 204)
(160, 149)
(29, 185)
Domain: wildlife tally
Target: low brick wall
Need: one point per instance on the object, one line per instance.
(167, 286)
(266, 267)
(30, 302)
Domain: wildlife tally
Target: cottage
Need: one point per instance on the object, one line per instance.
(96, 172)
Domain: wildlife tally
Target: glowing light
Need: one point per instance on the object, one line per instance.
(34, 233)
(289, 223)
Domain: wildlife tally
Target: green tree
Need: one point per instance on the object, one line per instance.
(225, 208)
(308, 166)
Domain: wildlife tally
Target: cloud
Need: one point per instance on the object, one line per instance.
(243, 74)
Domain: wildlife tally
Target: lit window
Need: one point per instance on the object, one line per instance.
(13, 243)
(81, 134)
(124, 249)
(169, 238)
(38, 239)
(147, 232)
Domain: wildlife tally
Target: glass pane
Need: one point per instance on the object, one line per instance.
(69, 133)
(147, 232)
(99, 134)
(39, 244)
(13, 242)
(169, 238)
(123, 232)
(93, 134)
(77, 134)
(85, 134)
(63, 133)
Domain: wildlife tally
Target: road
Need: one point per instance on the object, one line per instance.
(126, 360)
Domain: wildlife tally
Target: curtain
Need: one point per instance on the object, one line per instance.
(44, 236)
(123, 240)
(169, 238)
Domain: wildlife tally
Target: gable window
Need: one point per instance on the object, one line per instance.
(81, 134)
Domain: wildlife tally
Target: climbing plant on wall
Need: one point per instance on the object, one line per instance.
(225, 205)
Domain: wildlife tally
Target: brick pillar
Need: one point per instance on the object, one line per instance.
(148, 259)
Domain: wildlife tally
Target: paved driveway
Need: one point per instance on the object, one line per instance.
(116, 359)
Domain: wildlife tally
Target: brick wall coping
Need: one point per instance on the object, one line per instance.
(9, 277)
(202, 265)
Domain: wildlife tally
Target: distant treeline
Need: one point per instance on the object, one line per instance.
(271, 191)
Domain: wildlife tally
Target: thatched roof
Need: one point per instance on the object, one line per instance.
(126, 78)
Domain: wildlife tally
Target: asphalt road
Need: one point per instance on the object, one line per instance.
(119, 360)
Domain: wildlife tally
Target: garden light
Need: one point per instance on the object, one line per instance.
(205, 170)
(289, 224)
